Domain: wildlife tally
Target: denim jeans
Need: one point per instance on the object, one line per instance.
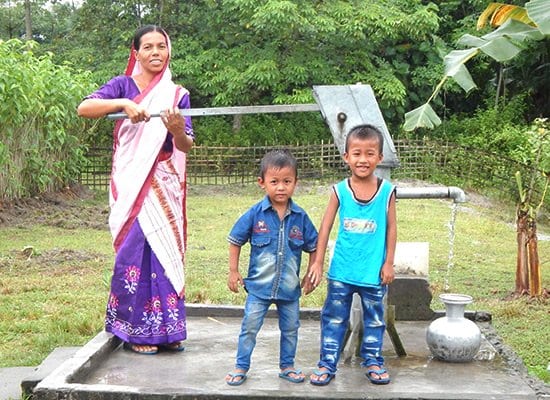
(255, 310)
(335, 322)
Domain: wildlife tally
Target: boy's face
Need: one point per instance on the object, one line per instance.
(363, 156)
(279, 184)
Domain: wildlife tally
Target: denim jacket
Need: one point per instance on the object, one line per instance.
(275, 249)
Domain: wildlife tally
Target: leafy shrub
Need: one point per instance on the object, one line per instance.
(40, 133)
(261, 129)
(496, 130)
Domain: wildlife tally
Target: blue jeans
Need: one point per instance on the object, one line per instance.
(335, 322)
(255, 310)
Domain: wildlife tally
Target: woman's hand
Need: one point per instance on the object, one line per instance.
(98, 108)
(174, 121)
(135, 112)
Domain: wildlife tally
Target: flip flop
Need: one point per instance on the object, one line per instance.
(286, 375)
(377, 380)
(234, 375)
(323, 382)
(132, 347)
(173, 347)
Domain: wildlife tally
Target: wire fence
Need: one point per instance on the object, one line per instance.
(438, 162)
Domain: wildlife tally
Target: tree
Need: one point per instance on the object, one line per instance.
(528, 267)
(28, 20)
(502, 45)
(242, 52)
(41, 145)
(516, 25)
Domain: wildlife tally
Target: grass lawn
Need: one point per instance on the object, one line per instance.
(56, 259)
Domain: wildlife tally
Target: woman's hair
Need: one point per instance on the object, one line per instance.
(278, 159)
(366, 132)
(143, 31)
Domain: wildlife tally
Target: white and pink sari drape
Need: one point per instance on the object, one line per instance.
(147, 186)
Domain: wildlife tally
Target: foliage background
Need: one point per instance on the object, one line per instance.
(251, 52)
(40, 146)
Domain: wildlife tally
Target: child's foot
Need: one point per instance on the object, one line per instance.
(321, 377)
(292, 375)
(236, 377)
(378, 375)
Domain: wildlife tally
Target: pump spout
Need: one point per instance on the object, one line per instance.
(450, 192)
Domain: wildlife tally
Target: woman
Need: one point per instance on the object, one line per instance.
(146, 308)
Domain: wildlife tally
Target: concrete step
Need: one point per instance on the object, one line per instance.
(19, 382)
(10, 381)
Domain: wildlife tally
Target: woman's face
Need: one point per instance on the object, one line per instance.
(153, 52)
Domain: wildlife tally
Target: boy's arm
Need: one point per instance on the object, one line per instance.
(315, 271)
(387, 274)
(234, 279)
(307, 285)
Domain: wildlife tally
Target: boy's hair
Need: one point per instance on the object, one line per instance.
(366, 132)
(278, 159)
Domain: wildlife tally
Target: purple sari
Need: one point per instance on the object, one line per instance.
(143, 306)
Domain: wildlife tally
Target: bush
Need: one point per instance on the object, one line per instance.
(40, 133)
(262, 129)
(497, 130)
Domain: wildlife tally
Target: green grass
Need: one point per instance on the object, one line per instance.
(54, 293)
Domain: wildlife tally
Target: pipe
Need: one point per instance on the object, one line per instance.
(450, 192)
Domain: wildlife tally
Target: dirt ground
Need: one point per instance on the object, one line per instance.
(62, 209)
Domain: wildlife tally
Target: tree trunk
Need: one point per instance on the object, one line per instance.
(535, 278)
(528, 271)
(237, 123)
(522, 272)
(28, 20)
(161, 11)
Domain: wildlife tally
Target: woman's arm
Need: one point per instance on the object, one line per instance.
(98, 108)
(176, 125)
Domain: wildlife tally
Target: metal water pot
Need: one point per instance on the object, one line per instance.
(453, 337)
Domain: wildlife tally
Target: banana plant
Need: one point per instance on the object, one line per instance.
(515, 25)
(528, 266)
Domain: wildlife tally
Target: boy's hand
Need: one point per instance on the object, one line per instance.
(314, 274)
(234, 281)
(306, 285)
(387, 274)
(312, 278)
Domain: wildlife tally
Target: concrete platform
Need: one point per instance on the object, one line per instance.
(102, 370)
(10, 381)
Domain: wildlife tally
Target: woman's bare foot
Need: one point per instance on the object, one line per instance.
(141, 348)
(176, 346)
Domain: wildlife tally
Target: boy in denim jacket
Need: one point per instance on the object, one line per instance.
(278, 231)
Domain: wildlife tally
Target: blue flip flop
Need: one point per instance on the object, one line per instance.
(234, 375)
(377, 380)
(286, 375)
(324, 382)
